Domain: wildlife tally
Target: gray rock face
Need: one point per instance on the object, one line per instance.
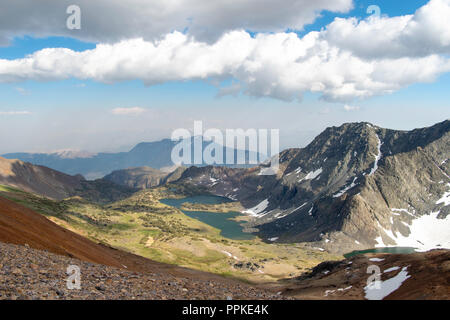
(354, 187)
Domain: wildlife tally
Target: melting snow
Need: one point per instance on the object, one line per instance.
(376, 259)
(377, 158)
(396, 212)
(273, 239)
(445, 198)
(340, 290)
(378, 290)
(340, 193)
(391, 269)
(427, 233)
(258, 209)
(312, 175)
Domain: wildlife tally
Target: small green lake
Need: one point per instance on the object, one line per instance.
(394, 250)
(223, 221)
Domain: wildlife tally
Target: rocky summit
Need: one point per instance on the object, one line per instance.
(356, 186)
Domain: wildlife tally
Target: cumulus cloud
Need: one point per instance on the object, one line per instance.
(133, 111)
(115, 20)
(278, 65)
(425, 33)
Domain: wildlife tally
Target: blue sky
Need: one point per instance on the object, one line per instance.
(77, 112)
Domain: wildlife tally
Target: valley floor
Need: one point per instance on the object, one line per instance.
(142, 225)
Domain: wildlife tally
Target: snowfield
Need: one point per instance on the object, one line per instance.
(378, 290)
(258, 209)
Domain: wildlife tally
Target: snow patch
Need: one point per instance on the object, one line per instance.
(258, 209)
(377, 157)
(342, 192)
(391, 269)
(396, 212)
(426, 233)
(312, 175)
(445, 198)
(378, 290)
(376, 259)
(273, 239)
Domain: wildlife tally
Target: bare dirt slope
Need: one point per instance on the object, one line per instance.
(22, 226)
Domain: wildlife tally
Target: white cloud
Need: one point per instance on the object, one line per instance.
(133, 111)
(14, 113)
(351, 108)
(115, 20)
(425, 33)
(350, 59)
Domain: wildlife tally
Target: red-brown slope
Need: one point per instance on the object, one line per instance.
(20, 225)
(428, 277)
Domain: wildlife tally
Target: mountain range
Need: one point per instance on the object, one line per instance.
(156, 155)
(356, 186)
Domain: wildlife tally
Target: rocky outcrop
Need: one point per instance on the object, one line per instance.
(138, 178)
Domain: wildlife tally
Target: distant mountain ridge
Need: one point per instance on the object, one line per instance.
(56, 185)
(156, 155)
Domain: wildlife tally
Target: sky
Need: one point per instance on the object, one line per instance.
(136, 72)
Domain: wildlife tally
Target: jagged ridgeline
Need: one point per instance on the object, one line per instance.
(355, 186)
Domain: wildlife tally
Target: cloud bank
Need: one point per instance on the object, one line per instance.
(115, 20)
(349, 59)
